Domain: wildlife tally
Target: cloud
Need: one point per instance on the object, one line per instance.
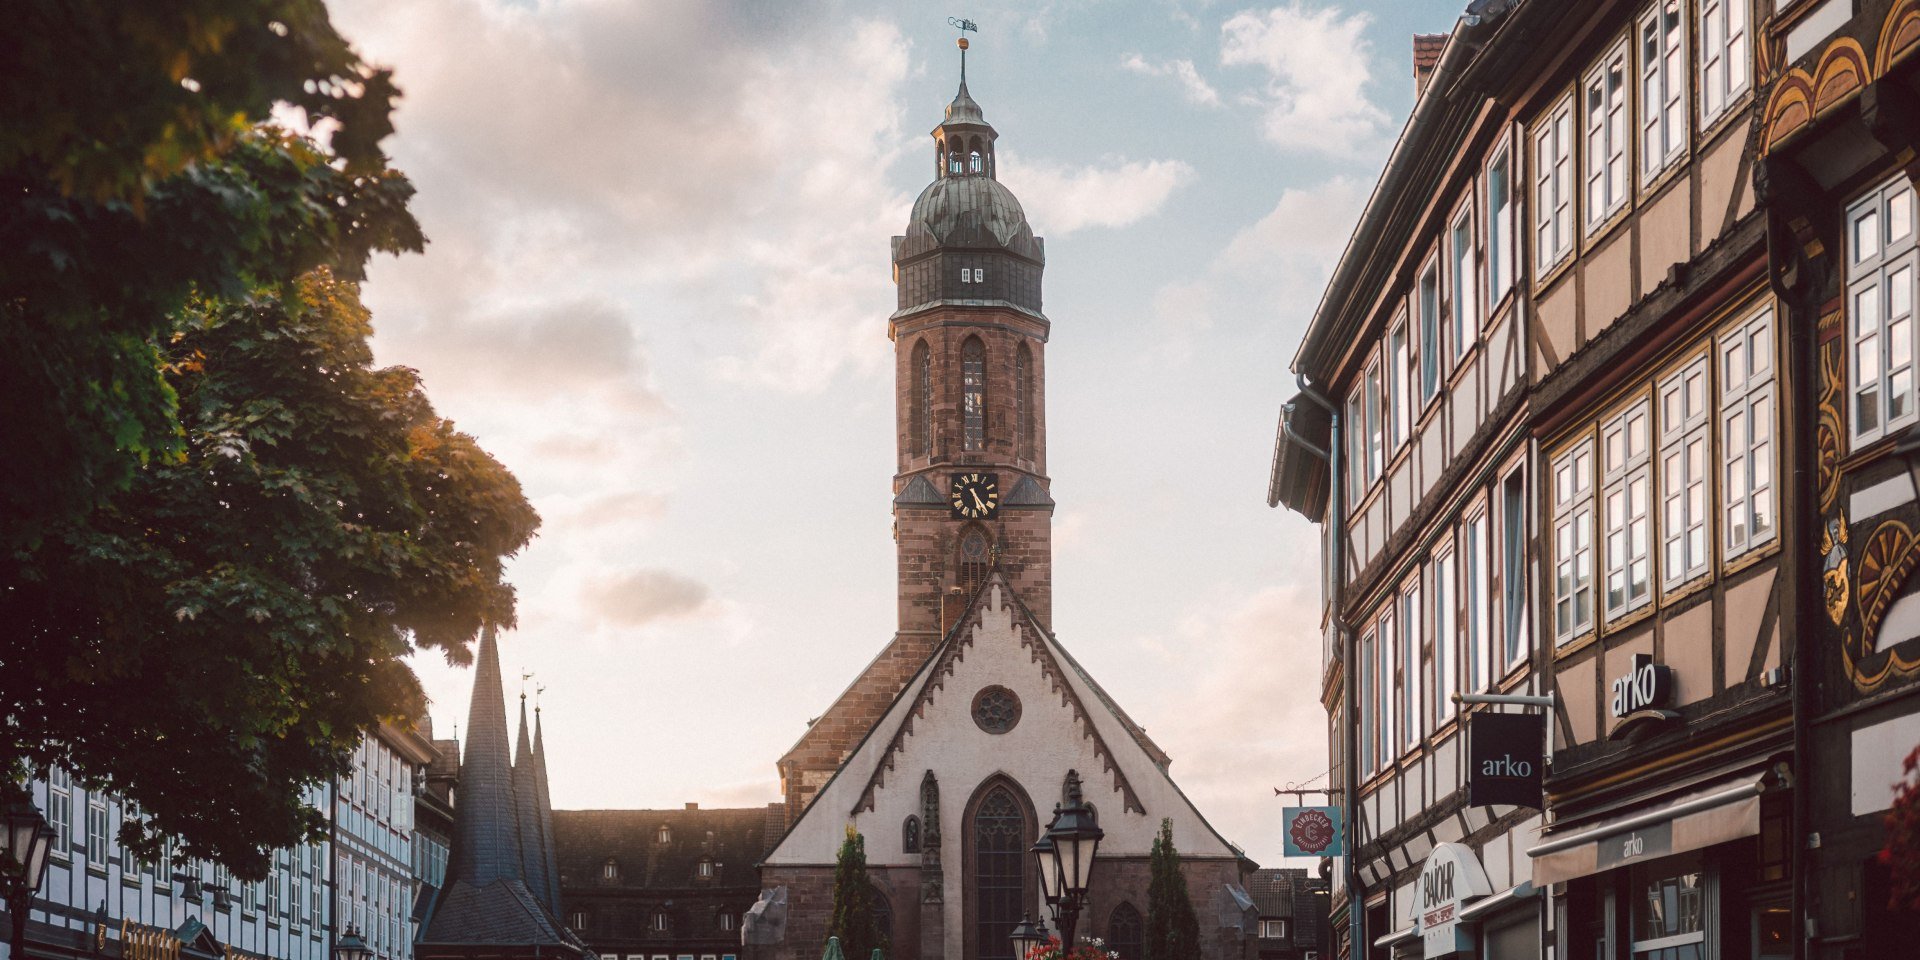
(639, 597)
(1314, 99)
(1062, 199)
(1195, 87)
(550, 350)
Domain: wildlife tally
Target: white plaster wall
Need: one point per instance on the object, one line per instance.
(1046, 743)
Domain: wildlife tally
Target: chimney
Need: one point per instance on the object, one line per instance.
(693, 806)
(1426, 56)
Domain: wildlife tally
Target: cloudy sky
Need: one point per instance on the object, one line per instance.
(658, 286)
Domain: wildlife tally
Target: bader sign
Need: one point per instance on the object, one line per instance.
(1450, 878)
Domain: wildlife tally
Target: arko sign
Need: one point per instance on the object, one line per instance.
(1506, 754)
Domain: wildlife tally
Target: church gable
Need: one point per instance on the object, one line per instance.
(998, 698)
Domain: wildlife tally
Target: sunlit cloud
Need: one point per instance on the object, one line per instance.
(1314, 99)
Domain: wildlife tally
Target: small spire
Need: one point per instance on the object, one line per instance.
(963, 63)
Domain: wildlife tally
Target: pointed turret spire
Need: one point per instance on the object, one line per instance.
(550, 864)
(964, 138)
(487, 837)
(526, 808)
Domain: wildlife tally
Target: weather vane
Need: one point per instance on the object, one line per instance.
(963, 25)
(525, 675)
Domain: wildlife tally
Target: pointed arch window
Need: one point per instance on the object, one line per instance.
(973, 394)
(920, 408)
(999, 883)
(1023, 405)
(910, 835)
(1124, 932)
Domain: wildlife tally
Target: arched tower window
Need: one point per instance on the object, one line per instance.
(910, 835)
(1124, 932)
(883, 916)
(999, 887)
(1023, 401)
(976, 558)
(975, 164)
(973, 394)
(920, 407)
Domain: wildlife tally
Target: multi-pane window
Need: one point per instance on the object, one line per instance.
(1399, 385)
(1412, 689)
(1669, 911)
(1370, 705)
(98, 830)
(1500, 237)
(1882, 280)
(920, 424)
(1376, 427)
(1389, 653)
(973, 394)
(1023, 400)
(1466, 305)
(1604, 118)
(1663, 87)
(1429, 306)
(1553, 188)
(1476, 650)
(1683, 472)
(1355, 428)
(60, 809)
(1625, 489)
(1723, 56)
(1573, 542)
(1441, 656)
(1746, 431)
(1513, 567)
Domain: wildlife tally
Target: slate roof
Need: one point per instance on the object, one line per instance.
(551, 871)
(1272, 889)
(733, 838)
(502, 912)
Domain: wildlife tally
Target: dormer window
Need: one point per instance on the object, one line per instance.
(610, 870)
(704, 870)
(659, 923)
(666, 834)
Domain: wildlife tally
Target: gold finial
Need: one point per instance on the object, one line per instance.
(963, 43)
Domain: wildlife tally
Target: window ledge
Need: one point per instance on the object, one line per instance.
(1634, 616)
(1712, 130)
(1754, 556)
(1578, 643)
(1599, 234)
(1545, 280)
(1671, 171)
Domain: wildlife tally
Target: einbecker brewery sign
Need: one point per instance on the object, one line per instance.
(1451, 877)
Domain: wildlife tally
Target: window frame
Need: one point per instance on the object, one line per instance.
(1370, 714)
(1634, 468)
(1724, 48)
(1516, 621)
(1873, 272)
(1614, 130)
(1573, 515)
(1441, 673)
(1412, 672)
(1672, 81)
(1676, 445)
(1462, 287)
(1432, 368)
(1502, 242)
(1399, 381)
(1554, 212)
(1753, 397)
(1473, 547)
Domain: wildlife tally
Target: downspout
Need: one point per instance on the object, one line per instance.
(1335, 586)
(333, 844)
(1800, 350)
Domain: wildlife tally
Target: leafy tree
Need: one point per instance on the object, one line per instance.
(1902, 852)
(212, 638)
(134, 174)
(1173, 932)
(855, 922)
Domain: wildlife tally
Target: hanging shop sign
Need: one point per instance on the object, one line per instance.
(1506, 757)
(1312, 832)
(1647, 686)
(1450, 879)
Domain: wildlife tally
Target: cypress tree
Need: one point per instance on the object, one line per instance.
(854, 922)
(1173, 932)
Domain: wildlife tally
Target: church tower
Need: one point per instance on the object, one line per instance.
(969, 359)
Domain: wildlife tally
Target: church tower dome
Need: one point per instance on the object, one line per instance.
(968, 237)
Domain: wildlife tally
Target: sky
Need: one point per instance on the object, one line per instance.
(657, 289)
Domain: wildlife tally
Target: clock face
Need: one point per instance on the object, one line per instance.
(974, 495)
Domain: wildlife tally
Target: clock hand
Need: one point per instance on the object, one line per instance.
(975, 494)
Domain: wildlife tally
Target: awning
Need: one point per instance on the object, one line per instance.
(1300, 466)
(1719, 812)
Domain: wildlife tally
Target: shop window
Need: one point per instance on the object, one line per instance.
(1663, 87)
(1604, 118)
(1669, 903)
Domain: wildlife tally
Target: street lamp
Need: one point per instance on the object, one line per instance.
(1026, 937)
(1049, 868)
(350, 946)
(1075, 835)
(28, 840)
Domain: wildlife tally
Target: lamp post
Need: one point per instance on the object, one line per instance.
(28, 840)
(1026, 937)
(1074, 837)
(351, 946)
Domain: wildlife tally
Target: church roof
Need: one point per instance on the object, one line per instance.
(972, 210)
(499, 913)
(733, 839)
(486, 835)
